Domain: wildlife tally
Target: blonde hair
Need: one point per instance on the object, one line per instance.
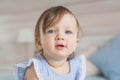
(49, 18)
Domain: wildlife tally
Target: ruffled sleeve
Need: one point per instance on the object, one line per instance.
(21, 68)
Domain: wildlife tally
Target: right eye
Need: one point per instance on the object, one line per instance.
(51, 31)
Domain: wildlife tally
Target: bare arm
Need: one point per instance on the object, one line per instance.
(30, 73)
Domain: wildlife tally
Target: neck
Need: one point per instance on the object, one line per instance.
(59, 66)
(56, 63)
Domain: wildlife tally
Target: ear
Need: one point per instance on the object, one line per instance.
(77, 42)
(38, 43)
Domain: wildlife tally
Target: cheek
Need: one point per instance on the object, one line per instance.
(72, 44)
(48, 42)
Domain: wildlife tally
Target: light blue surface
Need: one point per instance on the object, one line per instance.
(107, 59)
(7, 77)
(7, 73)
(95, 78)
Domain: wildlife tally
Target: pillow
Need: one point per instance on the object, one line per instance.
(107, 59)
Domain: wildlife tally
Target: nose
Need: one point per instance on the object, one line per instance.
(59, 37)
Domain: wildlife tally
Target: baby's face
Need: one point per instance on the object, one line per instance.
(60, 40)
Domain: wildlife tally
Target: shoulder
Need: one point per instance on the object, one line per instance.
(80, 61)
(30, 73)
(26, 67)
(20, 69)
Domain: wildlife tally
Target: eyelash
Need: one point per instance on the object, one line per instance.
(66, 32)
(51, 31)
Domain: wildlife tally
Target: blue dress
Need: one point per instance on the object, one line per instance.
(45, 72)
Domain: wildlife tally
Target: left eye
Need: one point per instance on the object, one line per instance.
(68, 32)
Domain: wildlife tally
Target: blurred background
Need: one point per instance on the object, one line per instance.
(100, 19)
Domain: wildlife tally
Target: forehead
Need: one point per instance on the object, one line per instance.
(67, 20)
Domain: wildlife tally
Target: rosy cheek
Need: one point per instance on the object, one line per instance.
(73, 42)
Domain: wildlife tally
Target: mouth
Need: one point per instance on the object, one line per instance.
(60, 46)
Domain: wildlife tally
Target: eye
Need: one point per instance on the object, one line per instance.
(51, 31)
(68, 32)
